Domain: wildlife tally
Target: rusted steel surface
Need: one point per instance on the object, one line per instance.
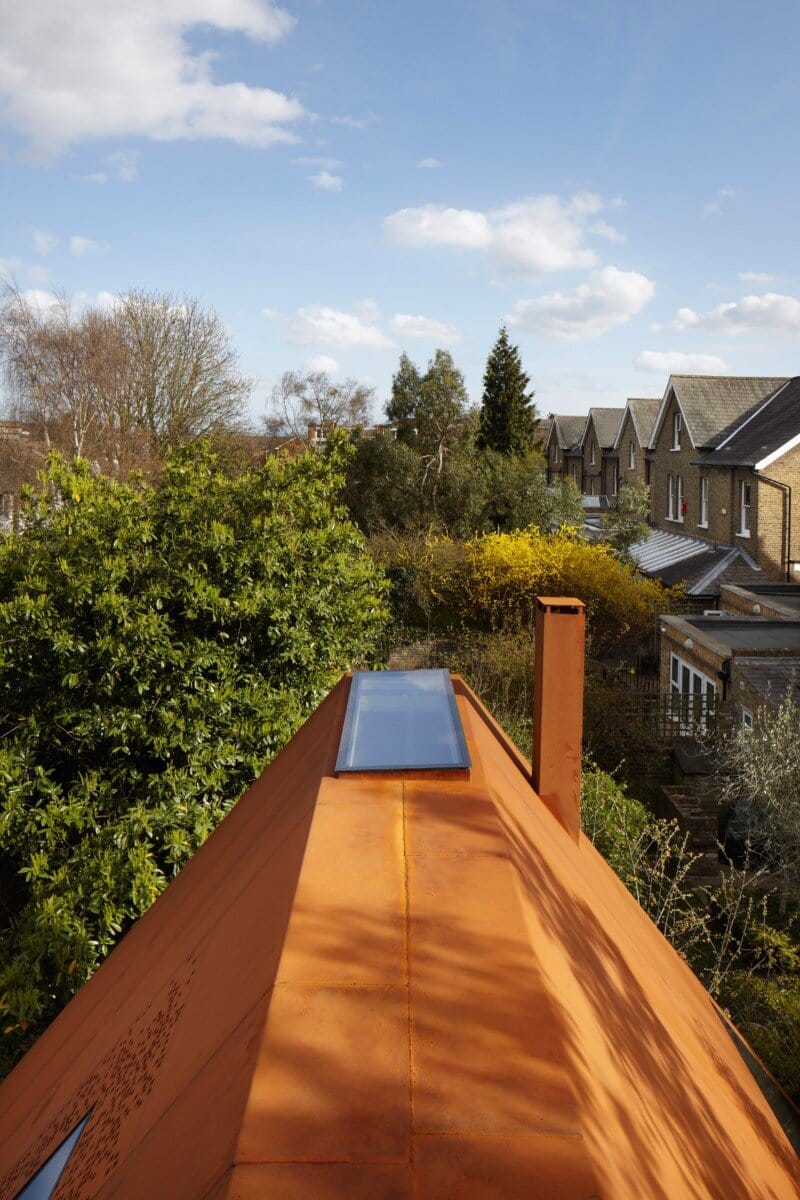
(397, 988)
(558, 707)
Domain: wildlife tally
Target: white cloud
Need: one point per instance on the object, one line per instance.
(426, 327)
(317, 325)
(125, 165)
(71, 71)
(673, 362)
(618, 202)
(78, 246)
(715, 206)
(328, 164)
(271, 314)
(429, 164)
(324, 362)
(9, 265)
(324, 181)
(609, 232)
(610, 298)
(98, 177)
(40, 299)
(770, 313)
(756, 277)
(530, 237)
(355, 122)
(38, 275)
(369, 311)
(43, 242)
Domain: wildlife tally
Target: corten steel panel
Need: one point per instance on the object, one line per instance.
(546, 1041)
(558, 707)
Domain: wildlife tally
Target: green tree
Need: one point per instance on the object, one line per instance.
(401, 409)
(157, 647)
(508, 416)
(626, 524)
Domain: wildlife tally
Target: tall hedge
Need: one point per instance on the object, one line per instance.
(158, 645)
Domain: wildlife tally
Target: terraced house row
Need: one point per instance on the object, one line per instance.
(721, 456)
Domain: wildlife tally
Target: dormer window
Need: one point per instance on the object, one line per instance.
(676, 431)
(631, 456)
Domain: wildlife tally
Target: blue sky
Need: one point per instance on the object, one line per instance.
(344, 179)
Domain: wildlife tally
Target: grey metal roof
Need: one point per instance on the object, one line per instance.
(675, 558)
(643, 415)
(712, 403)
(568, 430)
(764, 429)
(606, 423)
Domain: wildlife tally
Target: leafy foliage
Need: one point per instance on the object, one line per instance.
(157, 647)
(508, 416)
(496, 578)
(626, 525)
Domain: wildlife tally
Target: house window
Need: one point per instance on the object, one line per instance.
(703, 502)
(670, 497)
(631, 456)
(593, 486)
(693, 696)
(555, 452)
(676, 431)
(614, 479)
(591, 454)
(680, 507)
(747, 718)
(744, 509)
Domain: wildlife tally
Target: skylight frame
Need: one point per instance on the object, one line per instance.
(353, 756)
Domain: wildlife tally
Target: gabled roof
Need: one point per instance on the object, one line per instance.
(606, 423)
(394, 985)
(643, 412)
(766, 432)
(677, 558)
(711, 403)
(568, 430)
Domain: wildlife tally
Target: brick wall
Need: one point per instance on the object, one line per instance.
(673, 462)
(701, 657)
(592, 471)
(628, 435)
(772, 503)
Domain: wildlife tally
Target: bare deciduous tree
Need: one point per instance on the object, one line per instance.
(119, 384)
(313, 400)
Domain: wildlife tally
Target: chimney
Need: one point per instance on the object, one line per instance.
(558, 707)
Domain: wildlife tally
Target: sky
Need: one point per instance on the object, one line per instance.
(342, 180)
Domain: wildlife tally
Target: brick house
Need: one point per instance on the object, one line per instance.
(564, 433)
(780, 600)
(702, 659)
(713, 439)
(600, 458)
(634, 439)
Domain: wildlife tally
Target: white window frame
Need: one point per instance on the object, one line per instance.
(670, 497)
(679, 499)
(676, 430)
(686, 680)
(745, 490)
(631, 456)
(747, 718)
(703, 522)
(614, 479)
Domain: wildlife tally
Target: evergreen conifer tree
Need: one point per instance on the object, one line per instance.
(508, 416)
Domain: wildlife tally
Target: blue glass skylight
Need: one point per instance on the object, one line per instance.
(44, 1182)
(402, 720)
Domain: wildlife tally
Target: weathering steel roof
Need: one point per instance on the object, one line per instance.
(412, 985)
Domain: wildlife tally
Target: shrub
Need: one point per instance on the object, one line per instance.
(157, 647)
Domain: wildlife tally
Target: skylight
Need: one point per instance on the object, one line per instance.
(45, 1181)
(402, 720)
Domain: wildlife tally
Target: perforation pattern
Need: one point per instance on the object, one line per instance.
(114, 1091)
